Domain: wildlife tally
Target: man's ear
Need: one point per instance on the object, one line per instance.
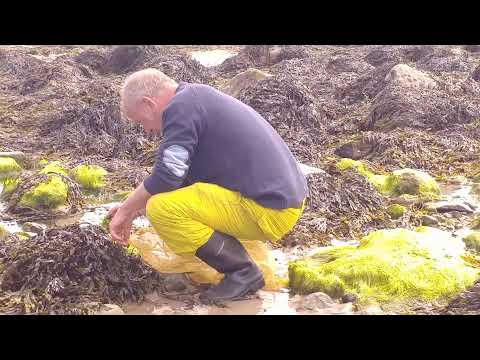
(149, 102)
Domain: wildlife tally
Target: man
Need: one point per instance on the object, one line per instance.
(222, 173)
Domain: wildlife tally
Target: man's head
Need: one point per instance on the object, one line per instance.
(144, 96)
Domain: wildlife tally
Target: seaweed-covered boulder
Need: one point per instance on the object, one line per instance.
(90, 177)
(379, 57)
(411, 182)
(399, 182)
(416, 53)
(9, 168)
(405, 75)
(376, 180)
(93, 58)
(396, 211)
(243, 80)
(18, 156)
(261, 55)
(123, 59)
(9, 187)
(472, 241)
(54, 167)
(44, 196)
(50, 194)
(389, 266)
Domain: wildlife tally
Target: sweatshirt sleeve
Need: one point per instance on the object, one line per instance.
(181, 131)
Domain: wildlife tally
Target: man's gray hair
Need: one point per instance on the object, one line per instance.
(147, 82)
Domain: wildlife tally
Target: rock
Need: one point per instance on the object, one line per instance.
(473, 48)
(9, 168)
(92, 58)
(412, 182)
(32, 227)
(428, 220)
(175, 282)
(261, 55)
(19, 156)
(316, 301)
(110, 309)
(244, 80)
(415, 53)
(451, 206)
(379, 57)
(349, 298)
(472, 241)
(90, 177)
(123, 58)
(476, 74)
(406, 76)
(381, 265)
(307, 170)
(51, 194)
(396, 211)
(456, 214)
(354, 150)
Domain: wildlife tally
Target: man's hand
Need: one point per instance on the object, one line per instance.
(121, 225)
(113, 211)
(123, 215)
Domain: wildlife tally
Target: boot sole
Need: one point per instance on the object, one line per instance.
(254, 287)
(257, 285)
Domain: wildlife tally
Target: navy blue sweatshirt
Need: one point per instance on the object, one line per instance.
(211, 137)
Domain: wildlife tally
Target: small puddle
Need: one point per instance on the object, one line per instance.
(212, 57)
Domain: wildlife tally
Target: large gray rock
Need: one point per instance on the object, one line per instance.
(315, 301)
(407, 76)
(450, 206)
(244, 80)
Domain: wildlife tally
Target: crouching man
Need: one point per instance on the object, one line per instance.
(222, 173)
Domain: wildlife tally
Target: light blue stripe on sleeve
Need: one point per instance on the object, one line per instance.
(175, 158)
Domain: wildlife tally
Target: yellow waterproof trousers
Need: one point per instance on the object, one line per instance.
(186, 218)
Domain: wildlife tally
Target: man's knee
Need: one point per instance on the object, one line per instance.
(157, 207)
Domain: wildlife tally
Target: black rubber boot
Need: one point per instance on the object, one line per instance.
(227, 255)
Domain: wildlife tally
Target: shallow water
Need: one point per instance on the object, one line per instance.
(264, 302)
(212, 57)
